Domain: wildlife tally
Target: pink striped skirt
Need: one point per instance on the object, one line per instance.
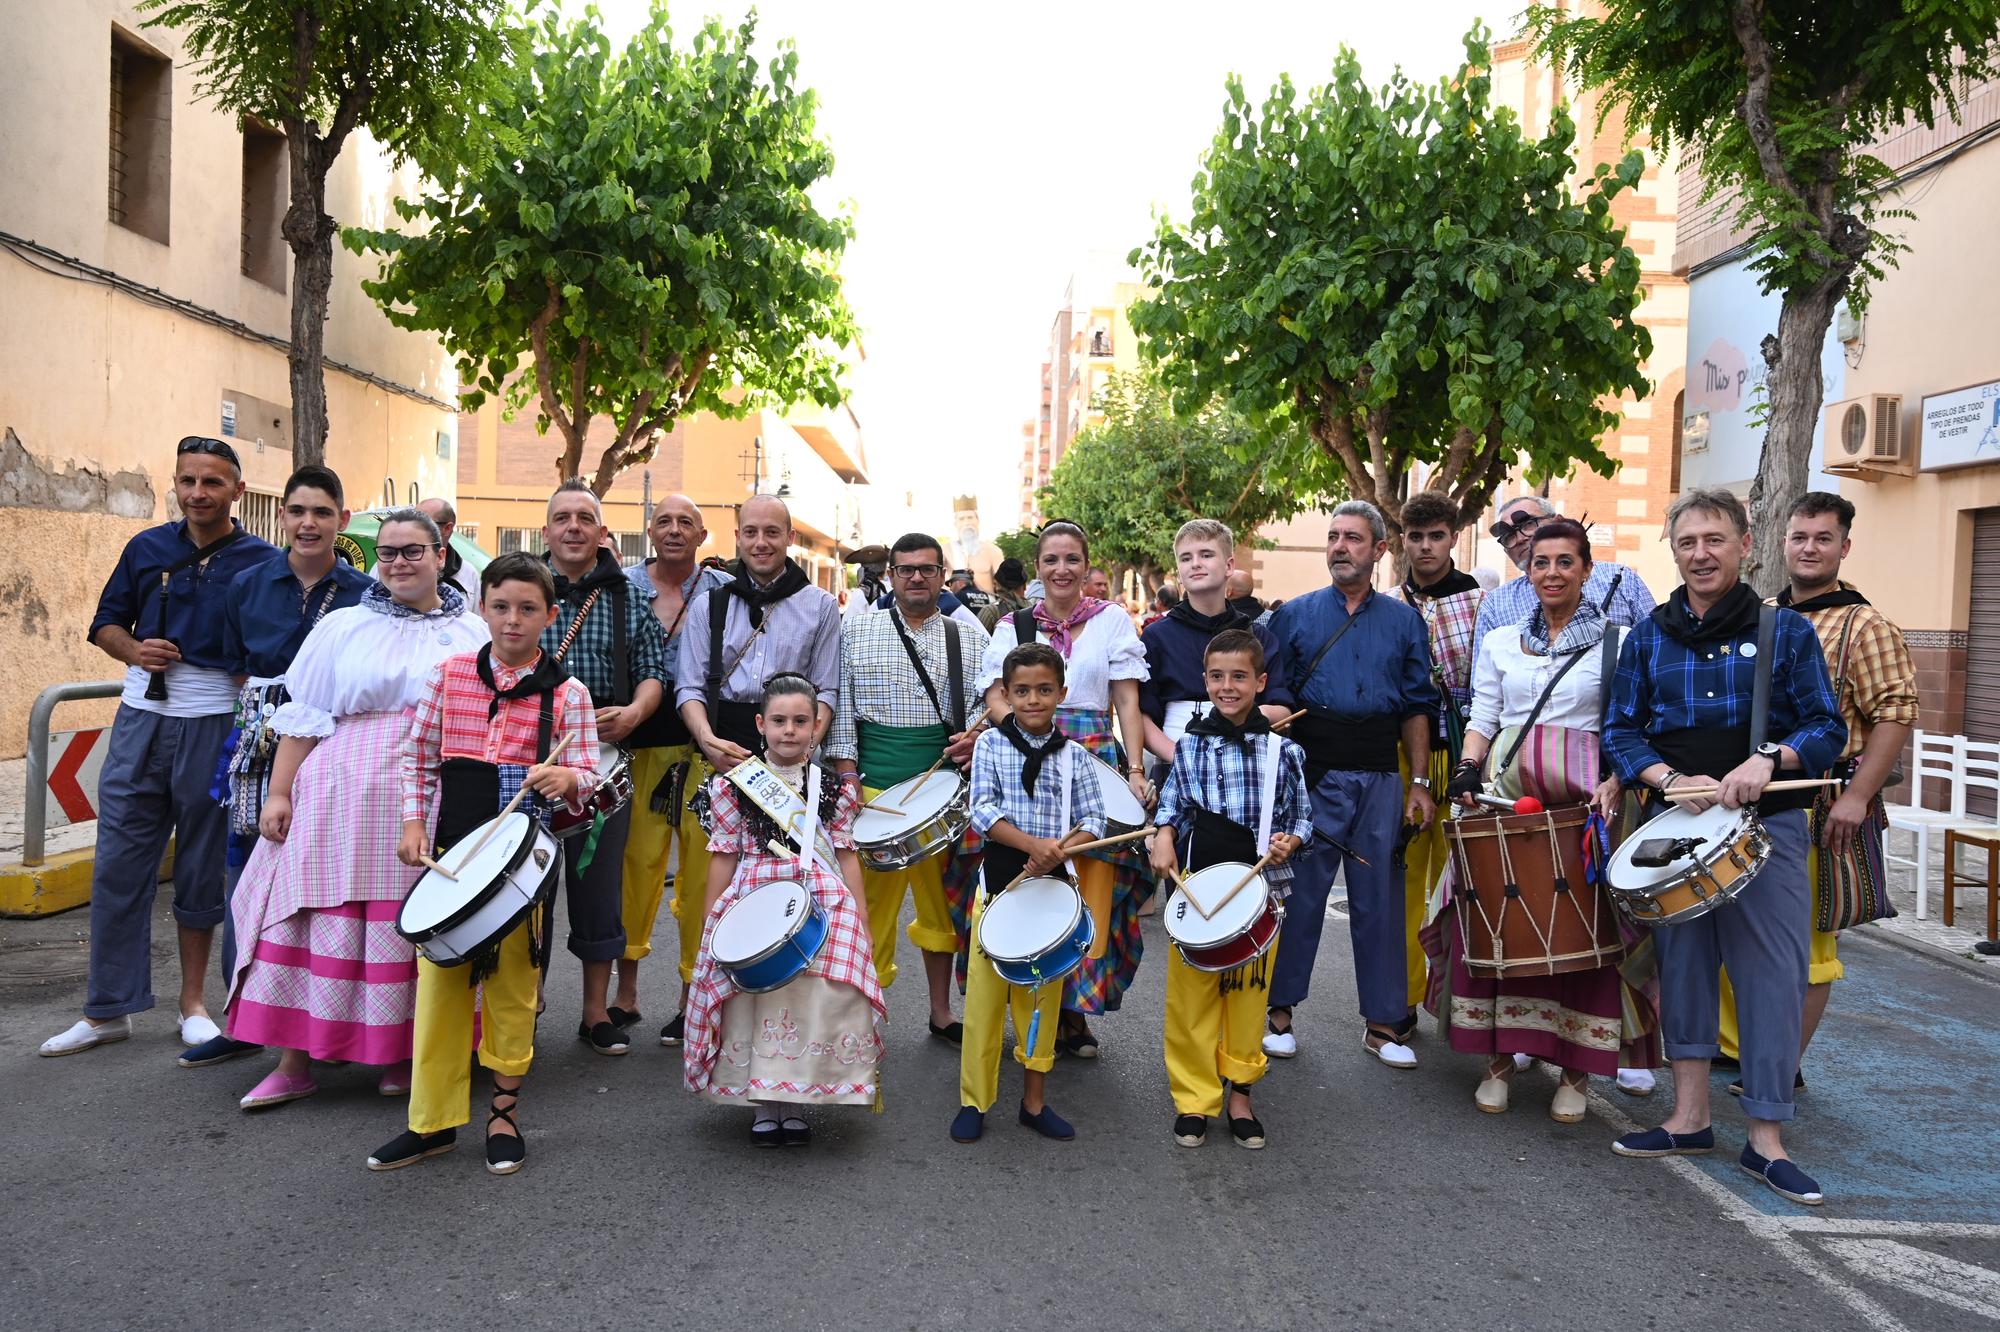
(337, 982)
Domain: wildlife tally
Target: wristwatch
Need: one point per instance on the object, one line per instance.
(1422, 780)
(1773, 753)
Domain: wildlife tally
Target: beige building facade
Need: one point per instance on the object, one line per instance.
(146, 291)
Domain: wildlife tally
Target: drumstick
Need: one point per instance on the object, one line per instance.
(513, 804)
(977, 717)
(1281, 725)
(439, 868)
(1708, 792)
(1119, 840)
(1065, 837)
(1241, 883)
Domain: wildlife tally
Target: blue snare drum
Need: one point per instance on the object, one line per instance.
(1036, 932)
(769, 936)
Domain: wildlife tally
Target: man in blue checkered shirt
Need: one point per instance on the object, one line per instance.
(1680, 716)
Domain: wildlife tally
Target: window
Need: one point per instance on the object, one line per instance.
(631, 546)
(265, 173)
(444, 443)
(141, 136)
(259, 512)
(512, 539)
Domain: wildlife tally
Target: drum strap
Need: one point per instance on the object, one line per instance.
(1268, 791)
(954, 658)
(1760, 685)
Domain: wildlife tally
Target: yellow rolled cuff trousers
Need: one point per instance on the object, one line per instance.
(648, 847)
(931, 930)
(1212, 1037)
(440, 1073)
(988, 1000)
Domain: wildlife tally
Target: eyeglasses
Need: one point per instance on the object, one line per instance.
(215, 448)
(916, 570)
(1522, 522)
(407, 554)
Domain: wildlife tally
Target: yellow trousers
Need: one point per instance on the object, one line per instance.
(987, 1002)
(1212, 1036)
(648, 847)
(1824, 968)
(441, 1075)
(691, 877)
(1423, 863)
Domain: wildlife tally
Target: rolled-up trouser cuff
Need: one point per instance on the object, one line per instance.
(1773, 1110)
(1694, 1051)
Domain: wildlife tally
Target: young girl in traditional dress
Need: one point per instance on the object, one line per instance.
(816, 1039)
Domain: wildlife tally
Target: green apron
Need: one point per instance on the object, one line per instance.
(891, 754)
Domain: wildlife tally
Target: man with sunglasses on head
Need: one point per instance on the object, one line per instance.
(161, 614)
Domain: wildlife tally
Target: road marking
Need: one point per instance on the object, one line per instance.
(1834, 1225)
(1931, 1275)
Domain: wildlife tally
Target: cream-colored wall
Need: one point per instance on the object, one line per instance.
(1930, 328)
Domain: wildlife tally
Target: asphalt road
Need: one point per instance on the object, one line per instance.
(138, 1196)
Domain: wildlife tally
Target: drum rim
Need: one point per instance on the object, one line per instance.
(957, 804)
(1069, 930)
(1492, 823)
(512, 921)
(812, 905)
(472, 905)
(1240, 866)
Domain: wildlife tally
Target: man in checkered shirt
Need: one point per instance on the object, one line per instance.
(893, 721)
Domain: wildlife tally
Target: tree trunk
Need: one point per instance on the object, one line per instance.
(309, 232)
(1795, 387)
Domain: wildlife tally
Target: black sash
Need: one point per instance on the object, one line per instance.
(954, 669)
(1359, 744)
(1215, 839)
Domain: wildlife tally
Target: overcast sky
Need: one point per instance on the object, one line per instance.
(988, 152)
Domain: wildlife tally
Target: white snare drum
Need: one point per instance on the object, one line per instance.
(1708, 858)
(933, 816)
(613, 793)
(1122, 810)
(451, 918)
(1242, 928)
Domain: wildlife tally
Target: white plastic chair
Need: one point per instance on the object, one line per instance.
(1940, 761)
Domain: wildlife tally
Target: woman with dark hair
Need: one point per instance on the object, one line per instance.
(1105, 663)
(1547, 671)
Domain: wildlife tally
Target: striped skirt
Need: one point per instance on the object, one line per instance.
(1099, 985)
(336, 982)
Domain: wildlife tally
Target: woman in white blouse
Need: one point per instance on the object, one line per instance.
(1104, 665)
(1538, 694)
(321, 972)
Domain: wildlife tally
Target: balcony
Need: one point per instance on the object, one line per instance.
(835, 435)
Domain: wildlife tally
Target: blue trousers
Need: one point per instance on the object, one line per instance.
(1364, 811)
(1764, 938)
(155, 784)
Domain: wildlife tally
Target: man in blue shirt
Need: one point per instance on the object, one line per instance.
(1617, 590)
(271, 609)
(1360, 664)
(1680, 716)
(161, 614)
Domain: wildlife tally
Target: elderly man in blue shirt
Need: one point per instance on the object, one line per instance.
(161, 615)
(1681, 716)
(1360, 664)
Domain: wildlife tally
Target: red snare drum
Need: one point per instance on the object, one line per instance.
(1241, 930)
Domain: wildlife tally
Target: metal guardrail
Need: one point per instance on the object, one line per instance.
(34, 831)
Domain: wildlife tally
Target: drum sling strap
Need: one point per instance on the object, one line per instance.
(1534, 714)
(954, 720)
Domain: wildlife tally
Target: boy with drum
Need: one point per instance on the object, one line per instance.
(476, 739)
(1027, 809)
(1236, 793)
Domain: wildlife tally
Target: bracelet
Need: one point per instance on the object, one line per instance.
(1666, 783)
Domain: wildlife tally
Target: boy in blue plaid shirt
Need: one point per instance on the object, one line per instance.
(1212, 808)
(1027, 808)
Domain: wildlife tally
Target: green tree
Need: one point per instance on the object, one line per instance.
(1131, 481)
(643, 240)
(1408, 277)
(319, 70)
(1018, 544)
(1777, 101)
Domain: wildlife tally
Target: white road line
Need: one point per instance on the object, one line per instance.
(1835, 1225)
(1933, 1276)
(1733, 1208)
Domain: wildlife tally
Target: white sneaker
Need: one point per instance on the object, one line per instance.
(198, 1030)
(1281, 1044)
(1635, 1081)
(83, 1036)
(1393, 1053)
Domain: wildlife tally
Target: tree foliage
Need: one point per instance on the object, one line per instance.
(1406, 275)
(1778, 102)
(404, 70)
(1131, 481)
(643, 240)
(1018, 544)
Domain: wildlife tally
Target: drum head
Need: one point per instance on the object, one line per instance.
(920, 804)
(758, 921)
(1029, 919)
(610, 758)
(1120, 805)
(1713, 828)
(435, 899)
(1187, 926)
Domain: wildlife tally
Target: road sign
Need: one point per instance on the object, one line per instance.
(75, 759)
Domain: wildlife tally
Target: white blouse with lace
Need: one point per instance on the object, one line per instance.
(1106, 648)
(1507, 679)
(359, 660)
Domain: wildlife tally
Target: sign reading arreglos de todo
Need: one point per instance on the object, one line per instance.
(1961, 427)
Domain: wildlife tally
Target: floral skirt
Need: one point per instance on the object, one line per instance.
(811, 1042)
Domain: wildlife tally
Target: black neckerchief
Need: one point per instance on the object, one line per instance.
(756, 598)
(606, 572)
(1248, 607)
(1231, 618)
(542, 680)
(1214, 723)
(1731, 617)
(1842, 595)
(1011, 728)
(1454, 583)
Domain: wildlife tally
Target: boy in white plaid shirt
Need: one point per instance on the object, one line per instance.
(1030, 796)
(1212, 806)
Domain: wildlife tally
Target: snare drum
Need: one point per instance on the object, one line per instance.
(933, 817)
(1242, 928)
(613, 793)
(770, 936)
(1123, 812)
(1036, 932)
(1525, 905)
(1721, 850)
(451, 916)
